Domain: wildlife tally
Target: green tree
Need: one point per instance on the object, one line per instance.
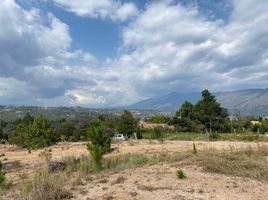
(28, 119)
(18, 136)
(67, 130)
(209, 112)
(100, 142)
(159, 119)
(127, 123)
(39, 133)
(186, 111)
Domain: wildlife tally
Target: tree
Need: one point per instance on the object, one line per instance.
(18, 136)
(186, 110)
(28, 119)
(159, 119)
(100, 142)
(67, 130)
(209, 112)
(39, 134)
(34, 135)
(127, 123)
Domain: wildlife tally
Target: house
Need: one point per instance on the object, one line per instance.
(147, 125)
(255, 122)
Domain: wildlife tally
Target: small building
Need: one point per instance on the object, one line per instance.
(147, 125)
(255, 122)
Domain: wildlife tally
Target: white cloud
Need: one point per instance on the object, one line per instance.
(82, 97)
(167, 47)
(112, 9)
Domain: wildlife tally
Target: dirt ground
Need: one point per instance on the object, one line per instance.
(150, 181)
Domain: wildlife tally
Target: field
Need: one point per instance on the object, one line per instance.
(147, 169)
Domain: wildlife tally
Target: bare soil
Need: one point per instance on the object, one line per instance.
(154, 182)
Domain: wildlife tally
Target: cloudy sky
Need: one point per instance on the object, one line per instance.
(99, 53)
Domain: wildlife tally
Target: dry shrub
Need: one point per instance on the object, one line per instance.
(46, 186)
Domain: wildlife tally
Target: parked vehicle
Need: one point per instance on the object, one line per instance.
(120, 137)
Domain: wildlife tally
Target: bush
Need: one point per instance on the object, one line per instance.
(34, 135)
(96, 152)
(100, 143)
(139, 160)
(2, 175)
(157, 134)
(180, 174)
(46, 186)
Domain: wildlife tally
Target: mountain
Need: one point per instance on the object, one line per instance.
(168, 103)
(248, 102)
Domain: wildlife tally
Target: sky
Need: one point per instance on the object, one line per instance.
(110, 53)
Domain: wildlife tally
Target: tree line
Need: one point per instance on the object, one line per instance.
(205, 116)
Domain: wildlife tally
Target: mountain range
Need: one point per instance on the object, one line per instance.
(250, 102)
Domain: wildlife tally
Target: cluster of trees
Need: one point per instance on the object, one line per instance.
(33, 133)
(206, 115)
(38, 132)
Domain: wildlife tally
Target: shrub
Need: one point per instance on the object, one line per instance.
(46, 155)
(2, 175)
(139, 160)
(180, 174)
(34, 135)
(46, 186)
(157, 134)
(96, 152)
(100, 143)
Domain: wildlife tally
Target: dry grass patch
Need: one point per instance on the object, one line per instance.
(246, 163)
(46, 186)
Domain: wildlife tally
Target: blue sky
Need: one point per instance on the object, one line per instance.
(102, 37)
(111, 52)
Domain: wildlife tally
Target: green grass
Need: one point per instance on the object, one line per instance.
(187, 136)
(180, 174)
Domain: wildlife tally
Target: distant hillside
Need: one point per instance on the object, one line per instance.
(248, 102)
(10, 113)
(168, 103)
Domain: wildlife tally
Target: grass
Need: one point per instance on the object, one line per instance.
(187, 136)
(46, 186)
(241, 163)
(180, 174)
(247, 163)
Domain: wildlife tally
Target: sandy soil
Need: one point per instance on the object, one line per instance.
(149, 182)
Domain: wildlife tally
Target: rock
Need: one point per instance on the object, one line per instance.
(55, 166)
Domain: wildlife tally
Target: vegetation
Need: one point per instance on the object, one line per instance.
(2, 175)
(127, 124)
(243, 163)
(180, 174)
(46, 186)
(206, 115)
(100, 143)
(159, 119)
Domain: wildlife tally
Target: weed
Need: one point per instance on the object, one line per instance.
(180, 174)
(46, 155)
